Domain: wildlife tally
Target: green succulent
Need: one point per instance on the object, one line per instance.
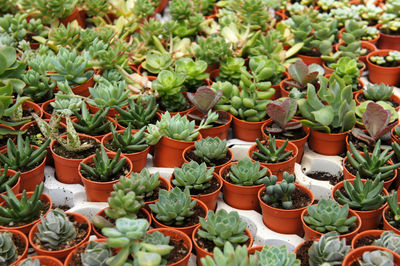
(97, 8)
(270, 153)
(7, 180)
(210, 150)
(129, 142)
(248, 173)
(50, 10)
(329, 249)
(194, 72)
(328, 216)
(193, 176)
(347, 69)
(279, 256)
(212, 49)
(30, 262)
(377, 257)
(230, 256)
(389, 240)
(155, 63)
(169, 86)
(38, 86)
(395, 209)
(139, 113)
(109, 94)
(124, 204)
(158, 240)
(231, 70)
(96, 254)
(65, 100)
(279, 194)
(378, 92)
(174, 206)
(94, 125)
(8, 250)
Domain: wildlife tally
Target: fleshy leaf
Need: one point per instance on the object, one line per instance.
(204, 99)
(376, 119)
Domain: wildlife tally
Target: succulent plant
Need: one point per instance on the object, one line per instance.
(230, 70)
(303, 75)
(347, 69)
(127, 141)
(65, 100)
(38, 86)
(193, 176)
(329, 249)
(378, 92)
(194, 72)
(155, 63)
(30, 262)
(96, 254)
(230, 256)
(109, 94)
(6, 180)
(94, 125)
(212, 49)
(139, 113)
(174, 206)
(11, 72)
(169, 85)
(394, 208)
(210, 150)
(143, 184)
(279, 194)
(50, 11)
(55, 229)
(124, 204)
(270, 153)
(280, 256)
(161, 242)
(377, 257)
(8, 250)
(390, 60)
(389, 240)
(247, 173)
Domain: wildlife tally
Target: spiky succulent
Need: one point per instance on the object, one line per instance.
(7, 180)
(211, 150)
(230, 256)
(395, 209)
(328, 249)
(174, 206)
(279, 256)
(378, 92)
(377, 258)
(96, 254)
(279, 194)
(139, 113)
(270, 153)
(247, 173)
(389, 240)
(8, 250)
(94, 125)
(127, 141)
(193, 176)
(55, 229)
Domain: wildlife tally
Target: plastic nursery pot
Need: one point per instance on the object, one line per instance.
(47, 261)
(22, 237)
(13, 137)
(210, 199)
(367, 233)
(386, 224)
(217, 167)
(180, 237)
(247, 131)
(281, 220)
(327, 143)
(310, 59)
(66, 168)
(369, 219)
(378, 74)
(348, 176)
(45, 109)
(311, 234)
(100, 137)
(187, 229)
(138, 159)
(98, 191)
(278, 168)
(60, 254)
(387, 41)
(240, 197)
(27, 227)
(68, 261)
(201, 253)
(16, 188)
(218, 131)
(298, 142)
(75, 15)
(354, 255)
(168, 152)
(103, 214)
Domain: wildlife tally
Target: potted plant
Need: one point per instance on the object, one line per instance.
(177, 209)
(371, 255)
(229, 256)
(389, 29)
(14, 246)
(40, 260)
(271, 255)
(284, 201)
(20, 212)
(378, 92)
(99, 173)
(277, 155)
(242, 180)
(9, 178)
(384, 67)
(348, 69)
(380, 238)
(391, 213)
(194, 71)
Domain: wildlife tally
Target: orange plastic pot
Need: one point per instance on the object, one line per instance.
(247, 131)
(75, 15)
(103, 214)
(29, 105)
(364, 234)
(218, 131)
(281, 220)
(311, 234)
(279, 168)
(386, 224)
(378, 74)
(253, 250)
(16, 188)
(354, 255)
(138, 159)
(66, 168)
(180, 237)
(112, 112)
(45, 107)
(364, 44)
(298, 142)
(100, 191)
(24, 239)
(181, 113)
(188, 230)
(240, 197)
(27, 227)
(326, 143)
(83, 89)
(394, 136)
(47, 261)
(284, 92)
(310, 59)
(210, 199)
(60, 254)
(201, 253)
(388, 41)
(168, 152)
(369, 219)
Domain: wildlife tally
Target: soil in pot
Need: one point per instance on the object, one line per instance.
(300, 199)
(190, 156)
(390, 217)
(359, 144)
(19, 244)
(43, 210)
(290, 135)
(154, 195)
(324, 176)
(123, 172)
(302, 253)
(366, 241)
(61, 151)
(188, 221)
(35, 135)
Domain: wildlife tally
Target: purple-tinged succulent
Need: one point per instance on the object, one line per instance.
(302, 75)
(281, 113)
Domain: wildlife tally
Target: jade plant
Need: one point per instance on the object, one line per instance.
(271, 255)
(279, 194)
(96, 253)
(390, 60)
(127, 141)
(210, 150)
(395, 209)
(7, 180)
(230, 256)
(389, 240)
(94, 125)
(139, 113)
(193, 175)
(329, 249)
(269, 152)
(247, 173)
(302, 75)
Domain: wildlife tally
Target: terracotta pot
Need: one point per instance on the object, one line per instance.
(275, 218)
(327, 144)
(378, 74)
(311, 59)
(99, 137)
(218, 131)
(240, 197)
(247, 131)
(165, 184)
(24, 239)
(210, 199)
(16, 188)
(386, 224)
(138, 159)
(364, 234)
(27, 227)
(168, 152)
(277, 93)
(111, 113)
(103, 214)
(369, 219)
(83, 89)
(311, 234)
(187, 229)
(388, 41)
(75, 15)
(13, 137)
(66, 168)
(60, 254)
(177, 236)
(298, 142)
(348, 176)
(68, 260)
(357, 253)
(278, 168)
(47, 261)
(97, 191)
(201, 253)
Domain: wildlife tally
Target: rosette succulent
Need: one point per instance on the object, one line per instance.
(210, 150)
(193, 176)
(247, 173)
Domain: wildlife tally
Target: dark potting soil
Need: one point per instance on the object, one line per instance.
(214, 186)
(302, 253)
(154, 195)
(189, 221)
(45, 207)
(359, 144)
(256, 159)
(290, 135)
(325, 176)
(300, 199)
(35, 135)
(81, 232)
(60, 150)
(356, 263)
(19, 244)
(353, 171)
(162, 108)
(4, 139)
(62, 207)
(209, 245)
(361, 98)
(123, 172)
(190, 156)
(179, 251)
(313, 52)
(365, 241)
(390, 217)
